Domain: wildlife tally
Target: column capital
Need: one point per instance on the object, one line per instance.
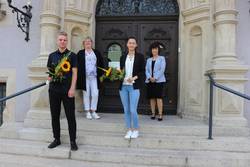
(222, 5)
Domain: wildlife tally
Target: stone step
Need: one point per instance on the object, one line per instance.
(32, 148)
(99, 125)
(10, 160)
(171, 125)
(42, 114)
(123, 156)
(162, 157)
(146, 140)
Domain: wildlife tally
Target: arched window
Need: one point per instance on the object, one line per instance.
(114, 54)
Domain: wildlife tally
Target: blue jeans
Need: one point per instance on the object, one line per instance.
(130, 98)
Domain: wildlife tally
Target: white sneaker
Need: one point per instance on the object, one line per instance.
(128, 134)
(95, 115)
(135, 134)
(88, 115)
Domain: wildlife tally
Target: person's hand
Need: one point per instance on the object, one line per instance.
(130, 80)
(49, 79)
(135, 78)
(152, 80)
(71, 93)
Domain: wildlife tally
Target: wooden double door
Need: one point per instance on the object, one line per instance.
(111, 36)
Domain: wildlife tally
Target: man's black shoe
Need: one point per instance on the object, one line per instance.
(54, 144)
(74, 146)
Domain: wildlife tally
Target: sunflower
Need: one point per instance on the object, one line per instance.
(108, 71)
(65, 66)
(112, 74)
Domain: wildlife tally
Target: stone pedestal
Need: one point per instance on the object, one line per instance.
(50, 26)
(226, 68)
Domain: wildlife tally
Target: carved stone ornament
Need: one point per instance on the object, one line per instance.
(137, 8)
(115, 34)
(157, 33)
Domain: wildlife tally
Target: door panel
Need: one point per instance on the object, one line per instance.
(116, 32)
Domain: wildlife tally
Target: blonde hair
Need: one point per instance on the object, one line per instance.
(88, 38)
(63, 33)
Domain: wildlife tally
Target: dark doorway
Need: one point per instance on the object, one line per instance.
(114, 24)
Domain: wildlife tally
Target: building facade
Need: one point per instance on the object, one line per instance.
(243, 39)
(198, 37)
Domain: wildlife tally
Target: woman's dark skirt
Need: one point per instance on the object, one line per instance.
(155, 90)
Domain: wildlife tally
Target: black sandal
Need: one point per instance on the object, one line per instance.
(160, 118)
(153, 117)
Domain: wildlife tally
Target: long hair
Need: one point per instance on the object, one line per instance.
(131, 37)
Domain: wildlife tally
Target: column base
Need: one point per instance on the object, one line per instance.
(10, 130)
(228, 108)
(230, 121)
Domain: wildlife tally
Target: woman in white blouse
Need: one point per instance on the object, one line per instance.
(89, 77)
(133, 64)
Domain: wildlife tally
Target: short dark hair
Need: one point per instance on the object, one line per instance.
(154, 46)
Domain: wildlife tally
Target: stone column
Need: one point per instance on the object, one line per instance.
(50, 26)
(77, 25)
(225, 29)
(226, 68)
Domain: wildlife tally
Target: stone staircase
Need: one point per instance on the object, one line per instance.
(174, 142)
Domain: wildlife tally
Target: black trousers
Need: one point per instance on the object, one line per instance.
(55, 100)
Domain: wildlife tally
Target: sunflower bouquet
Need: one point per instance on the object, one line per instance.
(112, 74)
(58, 71)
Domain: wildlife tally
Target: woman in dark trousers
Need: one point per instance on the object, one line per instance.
(155, 79)
(134, 66)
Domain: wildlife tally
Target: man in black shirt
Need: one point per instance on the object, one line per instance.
(63, 90)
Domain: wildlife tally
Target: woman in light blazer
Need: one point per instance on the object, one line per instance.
(155, 80)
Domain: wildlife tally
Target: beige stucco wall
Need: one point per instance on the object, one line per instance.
(16, 54)
(243, 40)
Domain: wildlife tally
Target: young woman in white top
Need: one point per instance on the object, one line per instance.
(133, 64)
